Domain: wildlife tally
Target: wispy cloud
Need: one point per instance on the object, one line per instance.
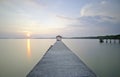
(69, 17)
(95, 18)
(64, 17)
(103, 8)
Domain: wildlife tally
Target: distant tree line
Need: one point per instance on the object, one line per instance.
(96, 37)
(109, 37)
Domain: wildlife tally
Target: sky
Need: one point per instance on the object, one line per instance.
(59, 17)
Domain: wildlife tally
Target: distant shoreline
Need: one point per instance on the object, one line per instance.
(91, 37)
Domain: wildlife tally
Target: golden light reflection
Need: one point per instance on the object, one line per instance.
(28, 48)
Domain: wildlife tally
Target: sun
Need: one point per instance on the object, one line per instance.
(28, 34)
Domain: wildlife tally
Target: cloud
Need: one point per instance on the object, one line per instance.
(32, 15)
(25, 7)
(91, 25)
(16, 15)
(64, 17)
(103, 8)
(97, 19)
(24, 2)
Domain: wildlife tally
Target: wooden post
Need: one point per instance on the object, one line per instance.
(114, 40)
(101, 40)
(110, 40)
(106, 40)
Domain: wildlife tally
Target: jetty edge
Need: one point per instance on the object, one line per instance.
(60, 61)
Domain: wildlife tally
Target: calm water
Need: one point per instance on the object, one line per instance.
(19, 56)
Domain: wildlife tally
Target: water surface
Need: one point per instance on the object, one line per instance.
(19, 56)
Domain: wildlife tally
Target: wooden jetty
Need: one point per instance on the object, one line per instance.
(60, 61)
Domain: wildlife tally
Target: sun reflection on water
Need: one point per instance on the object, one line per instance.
(28, 48)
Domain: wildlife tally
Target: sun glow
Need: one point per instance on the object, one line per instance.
(28, 34)
(28, 48)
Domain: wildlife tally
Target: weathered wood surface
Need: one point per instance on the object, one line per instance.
(60, 61)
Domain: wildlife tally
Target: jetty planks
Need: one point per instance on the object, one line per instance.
(60, 61)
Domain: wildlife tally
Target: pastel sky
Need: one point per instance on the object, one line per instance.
(60, 17)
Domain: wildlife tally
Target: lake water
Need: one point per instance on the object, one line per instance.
(19, 56)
